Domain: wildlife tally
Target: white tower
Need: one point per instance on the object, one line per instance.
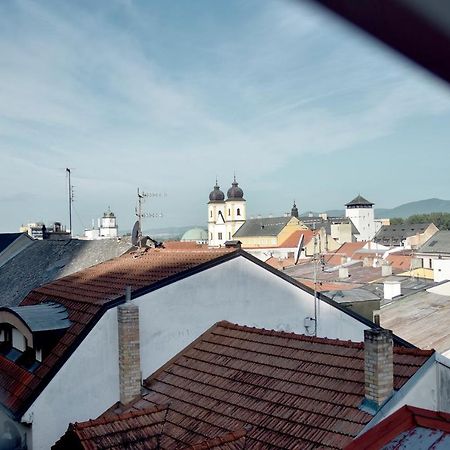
(235, 209)
(216, 217)
(360, 212)
(108, 225)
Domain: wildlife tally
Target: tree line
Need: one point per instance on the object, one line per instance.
(441, 220)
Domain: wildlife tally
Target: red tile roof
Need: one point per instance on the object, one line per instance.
(280, 264)
(185, 245)
(293, 239)
(345, 250)
(135, 429)
(400, 261)
(291, 391)
(86, 295)
(407, 427)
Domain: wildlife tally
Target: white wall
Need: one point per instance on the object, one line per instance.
(441, 269)
(238, 291)
(85, 387)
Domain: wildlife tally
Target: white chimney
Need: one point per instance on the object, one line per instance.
(343, 272)
(392, 288)
(386, 270)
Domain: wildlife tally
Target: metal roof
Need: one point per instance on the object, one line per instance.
(264, 226)
(7, 239)
(438, 243)
(47, 316)
(396, 234)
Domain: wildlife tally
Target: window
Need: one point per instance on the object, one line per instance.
(219, 236)
(229, 235)
(210, 214)
(229, 212)
(238, 212)
(210, 236)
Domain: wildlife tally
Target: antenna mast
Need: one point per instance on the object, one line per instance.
(70, 198)
(140, 215)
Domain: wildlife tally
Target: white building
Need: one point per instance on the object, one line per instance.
(107, 227)
(360, 212)
(225, 217)
(70, 371)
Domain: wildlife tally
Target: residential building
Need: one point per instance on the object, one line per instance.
(179, 294)
(264, 232)
(242, 387)
(225, 217)
(434, 249)
(408, 235)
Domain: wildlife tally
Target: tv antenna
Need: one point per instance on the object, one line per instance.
(136, 234)
(70, 197)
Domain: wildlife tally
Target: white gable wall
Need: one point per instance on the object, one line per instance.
(239, 291)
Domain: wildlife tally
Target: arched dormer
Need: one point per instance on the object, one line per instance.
(28, 332)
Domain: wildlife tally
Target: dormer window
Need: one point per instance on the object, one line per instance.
(27, 333)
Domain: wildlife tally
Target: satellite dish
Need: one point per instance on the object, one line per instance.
(135, 232)
(299, 248)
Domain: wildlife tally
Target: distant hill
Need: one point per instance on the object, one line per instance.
(428, 206)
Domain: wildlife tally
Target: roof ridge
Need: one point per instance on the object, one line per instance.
(289, 335)
(102, 420)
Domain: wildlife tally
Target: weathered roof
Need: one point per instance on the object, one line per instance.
(396, 234)
(421, 318)
(46, 260)
(86, 295)
(264, 226)
(139, 429)
(408, 428)
(352, 295)
(438, 243)
(316, 222)
(47, 316)
(359, 200)
(7, 239)
(288, 390)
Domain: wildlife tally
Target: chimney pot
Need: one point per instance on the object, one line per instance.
(378, 365)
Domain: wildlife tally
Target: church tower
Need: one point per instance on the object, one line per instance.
(216, 217)
(235, 209)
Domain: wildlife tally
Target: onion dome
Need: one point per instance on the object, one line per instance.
(216, 195)
(109, 213)
(235, 192)
(294, 210)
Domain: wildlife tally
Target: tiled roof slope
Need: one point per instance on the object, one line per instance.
(289, 391)
(439, 243)
(293, 239)
(86, 295)
(47, 260)
(138, 430)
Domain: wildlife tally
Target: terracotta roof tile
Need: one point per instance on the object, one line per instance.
(291, 391)
(85, 294)
(293, 239)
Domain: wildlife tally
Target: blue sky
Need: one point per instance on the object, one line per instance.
(168, 95)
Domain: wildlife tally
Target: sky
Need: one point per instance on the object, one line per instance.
(167, 96)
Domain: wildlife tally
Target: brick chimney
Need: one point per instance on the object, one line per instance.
(378, 365)
(129, 354)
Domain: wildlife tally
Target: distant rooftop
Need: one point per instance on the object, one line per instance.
(359, 201)
(438, 243)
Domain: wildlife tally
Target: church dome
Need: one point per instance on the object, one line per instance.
(235, 192)
(198, 235)
(216, 195)
(294, 211)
